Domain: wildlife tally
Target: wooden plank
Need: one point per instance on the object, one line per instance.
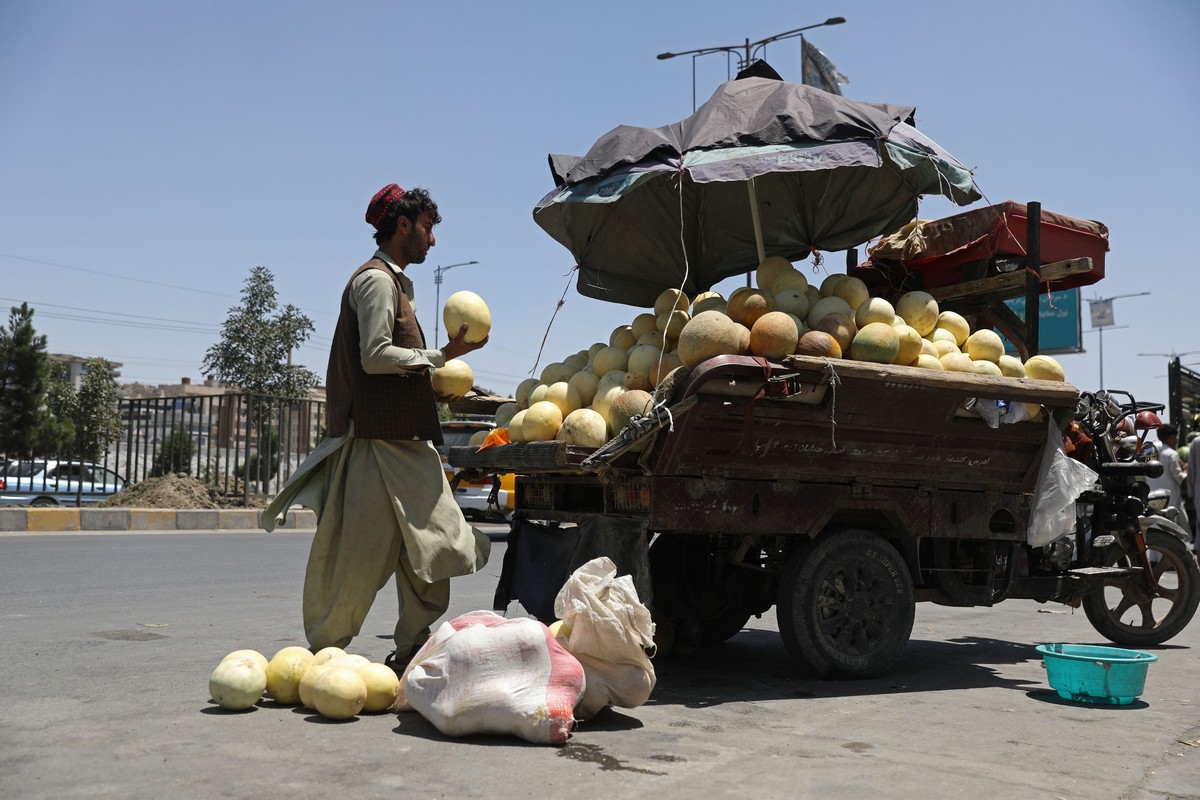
(1011, 284)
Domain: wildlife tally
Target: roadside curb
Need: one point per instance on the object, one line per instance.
(50, 520)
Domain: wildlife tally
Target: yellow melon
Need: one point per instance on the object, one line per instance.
(957, 362)
(1011, 366)
(830, 283)
(826, 306)
(584, 382)
(918, 310)
(770, 269)
(852, 290)
(774, 335)
(585, 427)
(643, 324)
(542, 421)
(983, 367)
(524, 389)
(671, 300)
(467, 308)
(841, 327)
(792, 301)
(1044, 368)
(662, 368)
(565, 396)
(708, 334)
(874, 309)
(514, 426)
(911, 344)
(610, 358)
(985, 345)
(555, 371)
(672, 322)
(956, 324)
(926, 361)
(944, 347)
(790, 279)
(708, 301)
(622, 337)
(876, 342)
(452, 380)
(628, 405)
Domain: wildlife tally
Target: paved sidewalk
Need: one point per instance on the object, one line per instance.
(49, 520)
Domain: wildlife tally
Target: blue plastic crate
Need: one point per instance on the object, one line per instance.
(1098, 675)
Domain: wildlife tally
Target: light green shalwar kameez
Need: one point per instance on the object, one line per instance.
(383, 507)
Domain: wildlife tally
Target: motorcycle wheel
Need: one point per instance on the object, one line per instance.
(1125, 612)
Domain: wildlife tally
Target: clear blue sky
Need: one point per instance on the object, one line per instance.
(153, 152)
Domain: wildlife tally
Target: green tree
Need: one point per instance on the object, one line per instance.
(57, 431)
(174, 455)
(257, 340)
(25, 371)
(96, 414)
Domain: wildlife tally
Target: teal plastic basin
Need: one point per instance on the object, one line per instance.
(1098, 675)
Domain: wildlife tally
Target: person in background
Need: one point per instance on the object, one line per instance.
(1173, 472)
(384, 506)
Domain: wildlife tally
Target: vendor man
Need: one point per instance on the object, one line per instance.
(383, 503)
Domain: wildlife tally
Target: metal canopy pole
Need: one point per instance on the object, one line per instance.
(1033, 277)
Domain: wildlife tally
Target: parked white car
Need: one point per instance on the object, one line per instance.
(43, 483)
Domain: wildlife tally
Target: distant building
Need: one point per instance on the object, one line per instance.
(77, 366)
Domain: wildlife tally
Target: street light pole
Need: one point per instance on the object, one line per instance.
(748, 46)
(1104, 319)
(437, 311)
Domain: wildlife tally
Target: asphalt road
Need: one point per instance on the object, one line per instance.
(108, 641)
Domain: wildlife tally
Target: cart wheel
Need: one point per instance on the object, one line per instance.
(1125, 612)
(846, 605)
(698, 599)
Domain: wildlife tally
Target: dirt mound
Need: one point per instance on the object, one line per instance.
(177, 491)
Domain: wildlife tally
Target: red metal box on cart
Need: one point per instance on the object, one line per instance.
(979, 244)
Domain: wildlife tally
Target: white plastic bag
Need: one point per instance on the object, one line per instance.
(1061, 480)
(482, 673)
(610, 632)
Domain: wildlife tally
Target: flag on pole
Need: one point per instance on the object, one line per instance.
(817, 70)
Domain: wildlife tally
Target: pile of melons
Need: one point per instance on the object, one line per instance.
(332, 682)
(589, 396)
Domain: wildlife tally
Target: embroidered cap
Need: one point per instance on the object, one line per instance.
(383, 204)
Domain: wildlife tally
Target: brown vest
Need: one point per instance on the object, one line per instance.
(391, 406)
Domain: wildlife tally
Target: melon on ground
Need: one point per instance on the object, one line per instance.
(706, 335)
(876, 342)
(774, 335)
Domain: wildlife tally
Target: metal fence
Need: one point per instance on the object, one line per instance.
(245, 445)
